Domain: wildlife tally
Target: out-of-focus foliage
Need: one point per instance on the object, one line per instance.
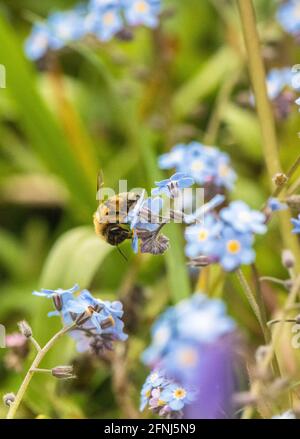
(116, 107)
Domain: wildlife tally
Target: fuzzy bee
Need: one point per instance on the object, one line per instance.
(111, 223)
(110, 217)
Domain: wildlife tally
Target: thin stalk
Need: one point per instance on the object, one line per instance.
(40, 355)
(253, 303)
(257, 385)
(35, 344)
(264, 110)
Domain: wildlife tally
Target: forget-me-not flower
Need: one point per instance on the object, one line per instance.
(142, 12)
(235, 249)
(243, 219)
(288, 16)
(172, 185)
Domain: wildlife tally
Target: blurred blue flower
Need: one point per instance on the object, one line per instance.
(278, 80)
(202, 319)
(39, 42)
(288, 16)
(162, 332)
(104, 24)
(234, 249)
(243, 219)
(181, 359)
(215, 379)
(296, 224)
(275, 205)
(201, 238)
(142, 12)
(172, 159)
(195, 320)
(104, 4)
(66, 27)
(172, 185)
(206, 165)
(225, 175)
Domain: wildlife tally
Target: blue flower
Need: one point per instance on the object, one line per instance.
(201, 238)
(98, 322)
(206, 165)
(275, 205)
(176, 396)
(60, 297)
(234, 249)
(66, 27)
(142, 12)
(154, 380)
(202, 320)
(39, 42)
(225, 176)
(172, 159)
(288, 16)
(243, 219)
(296, 224)
(172, 185)
(104, 4)
(277, 81)
(181, 359)
(195, 320)
(104, 24)
(162, 332)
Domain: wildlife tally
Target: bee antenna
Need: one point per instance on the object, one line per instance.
(122, 254)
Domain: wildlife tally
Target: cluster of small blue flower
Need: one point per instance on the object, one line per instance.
(97, 323)
(206, 165)
(288, 16)
(227, 238)
(183, 338)
(224, 237)
(101, 18)
(164, 396)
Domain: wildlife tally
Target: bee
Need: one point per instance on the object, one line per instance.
(110, 217)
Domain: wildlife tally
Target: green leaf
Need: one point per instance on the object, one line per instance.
(245, 129)
(205, 81)
(39, 124)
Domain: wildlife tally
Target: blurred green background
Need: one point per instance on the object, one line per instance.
(116, 107)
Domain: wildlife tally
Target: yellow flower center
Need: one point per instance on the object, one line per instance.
(179, 393)
(188, 357)
(233, 246)
(197, 165)
(223, 170)
(148, 393)
(160, 402)
(108, 18)
(141, 7)
(202, 235)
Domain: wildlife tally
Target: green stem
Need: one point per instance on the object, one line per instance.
(253, 303)
(40, 355)
(258, 76)
(265, 113)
